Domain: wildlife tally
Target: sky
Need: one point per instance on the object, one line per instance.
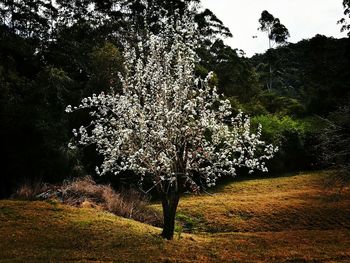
(303, 18)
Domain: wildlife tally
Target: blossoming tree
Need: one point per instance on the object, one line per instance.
(166, 125)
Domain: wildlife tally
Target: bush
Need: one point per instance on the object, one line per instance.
(295, 139)
(280, 105)
(334, 140)
(84, 191)
(275, 128)
(29, 190)
(255, 108)
(126, 203)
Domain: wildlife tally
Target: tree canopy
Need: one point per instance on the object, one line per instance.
(277, 32)
(344, 21)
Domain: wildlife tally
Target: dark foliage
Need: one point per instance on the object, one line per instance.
(314, 72)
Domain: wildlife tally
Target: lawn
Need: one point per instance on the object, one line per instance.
(294, 218)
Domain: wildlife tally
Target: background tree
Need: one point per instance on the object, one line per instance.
(343, 21)
(171, 132)
(236, 77)
(313, 72)
(277, 35)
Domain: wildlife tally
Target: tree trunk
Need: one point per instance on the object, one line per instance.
(270, 80)
(270, 77)
(169, 203)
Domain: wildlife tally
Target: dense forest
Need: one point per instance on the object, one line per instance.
(53, 55)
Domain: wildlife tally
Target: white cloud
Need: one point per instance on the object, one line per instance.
(303, 18)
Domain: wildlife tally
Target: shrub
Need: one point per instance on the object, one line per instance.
(85, 191)
(29, 190)
(280, 105)
(126, 203)
(334, 140)
(295, 138)
(275, 128)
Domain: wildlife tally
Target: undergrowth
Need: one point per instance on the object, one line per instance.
(85, 192)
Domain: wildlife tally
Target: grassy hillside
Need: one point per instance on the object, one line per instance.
(287, 219)
(295, 202)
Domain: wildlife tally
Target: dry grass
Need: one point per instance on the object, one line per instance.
(298, 202)
(85, 192)
(130, 203)
(29, 190)
(51, 232)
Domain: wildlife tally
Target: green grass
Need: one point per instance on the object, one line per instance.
(286, 219)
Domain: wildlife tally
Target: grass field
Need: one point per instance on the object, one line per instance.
(287, 219)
